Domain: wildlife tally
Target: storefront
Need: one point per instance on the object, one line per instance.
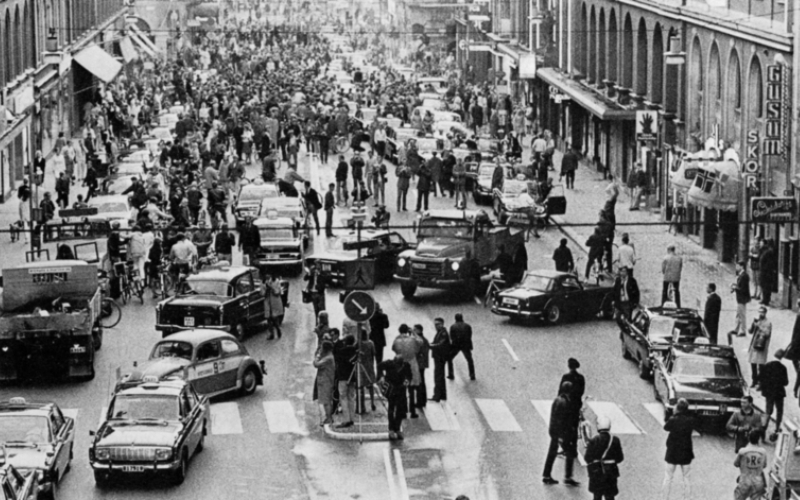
(91, 65)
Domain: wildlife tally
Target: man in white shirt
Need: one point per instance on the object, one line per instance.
(183, 256)
(627, 254)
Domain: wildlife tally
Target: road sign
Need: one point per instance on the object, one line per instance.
(359, 306)
(646, 125)
(359, 274)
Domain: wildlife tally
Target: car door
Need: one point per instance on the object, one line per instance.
(232, 358)
(206, 370)
(191, 416)
(660, 373)
(242, 288)
(257, 307)
(571, 297)
(64, 437)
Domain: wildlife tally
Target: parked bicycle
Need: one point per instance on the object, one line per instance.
(110, 311)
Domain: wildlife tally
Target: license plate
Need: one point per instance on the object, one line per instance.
(133, 468)
(77, 349)
(188, 321)
(272, 257)
(709, 412)
(511, 302)
(326, 267)
(417, 265)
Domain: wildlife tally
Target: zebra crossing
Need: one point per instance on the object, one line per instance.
(286, 417)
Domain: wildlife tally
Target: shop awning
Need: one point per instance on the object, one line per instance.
(141, 46)
(603, 108)
(98, 62)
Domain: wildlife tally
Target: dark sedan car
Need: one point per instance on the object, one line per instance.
(651, 331)
(707, 376)
(388, 245)
(554, 295)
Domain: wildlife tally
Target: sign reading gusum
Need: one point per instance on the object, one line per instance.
(774, 144)
(769, 209)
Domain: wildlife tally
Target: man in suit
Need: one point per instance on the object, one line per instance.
(330, 205)
(461, 337)
(313, 204)
(713, 308)
(440, 349)
(626, 293)
(742, 290)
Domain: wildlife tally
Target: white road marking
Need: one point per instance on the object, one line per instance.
(658, 413)
(440, 417)
(401, 475)
(225, 419)
(510, 350)
(497, 415)
(542, 407)
(621, 423)
(281, 417)
(387, 463)
(71, 413)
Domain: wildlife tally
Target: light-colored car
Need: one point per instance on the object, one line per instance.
(284, 206)
(436, 83)
(282, 243)
(249, 199)
(110, 209)
(435, 104)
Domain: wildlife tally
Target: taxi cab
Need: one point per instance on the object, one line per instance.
(212, 361)
(221, 297)
(249, 198)
(155, 427)
(282, 243)
(37, 437)
(16, 485)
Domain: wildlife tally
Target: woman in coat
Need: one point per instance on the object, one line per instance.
(274, 303)
(325, 381)
(367, 357)
(407, 347)
(761, 331)
(680, 452)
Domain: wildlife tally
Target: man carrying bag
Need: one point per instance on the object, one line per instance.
(603, 454)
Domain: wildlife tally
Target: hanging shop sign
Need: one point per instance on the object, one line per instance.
(751, 166)
(646, 125)
(772, 209)
(775, 134)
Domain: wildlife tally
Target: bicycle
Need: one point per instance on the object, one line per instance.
(110, 311)
(585, 427)
(496, 285)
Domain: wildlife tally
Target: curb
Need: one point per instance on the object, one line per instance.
(355, 436)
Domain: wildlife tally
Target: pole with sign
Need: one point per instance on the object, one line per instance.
(360, 307)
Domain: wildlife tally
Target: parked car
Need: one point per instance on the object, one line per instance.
(388, 245)
(707, 376)
(155, 427)
(554, 296)
(37, 437)
(212, 361)
(651, 330)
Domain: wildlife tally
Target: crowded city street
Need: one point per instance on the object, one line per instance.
(280, 204)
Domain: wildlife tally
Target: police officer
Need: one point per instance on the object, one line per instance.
(603, 454)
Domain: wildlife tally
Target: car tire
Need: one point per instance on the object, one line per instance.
(644, 372)
(179, 476)
(249, 381)
(625, 353)
(102, 479)
(238, 331)
(553, 314)
(408, 289)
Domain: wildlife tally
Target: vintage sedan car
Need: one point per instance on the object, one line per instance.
(228, 298)
(18, 485)
(283, 243)
(248, 200)
(113, 208)
(154, 427)
(514, 202)
(707, 376)
(554, 295)
(388, 245)
(37, 437)
(482, 185)
(651, 330)
(213, 361)
(289, 207)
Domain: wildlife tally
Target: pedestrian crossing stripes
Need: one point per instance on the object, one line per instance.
(281, 417)
(441, 417)
(225, 419)
(621, 422)
(497, 415)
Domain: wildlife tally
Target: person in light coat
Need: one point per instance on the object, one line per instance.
(756, 354)
(407, 346)
(274, 303)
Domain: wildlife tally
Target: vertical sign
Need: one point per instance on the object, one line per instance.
(750, 166)
(774, 135)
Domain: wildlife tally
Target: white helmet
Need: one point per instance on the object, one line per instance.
(603, 423)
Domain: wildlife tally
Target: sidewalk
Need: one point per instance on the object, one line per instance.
(700, 266)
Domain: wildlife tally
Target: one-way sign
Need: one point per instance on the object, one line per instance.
(359, 306)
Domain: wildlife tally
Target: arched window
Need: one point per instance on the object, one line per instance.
(602, 40)
(591, 55)
(755, 91)
(735, 80)
(583, 49)
(8, 45)
(657, 85)
(641, 59)
(18, 43)
(695, 91)
(714, 85)
(627, 53)
(28, 41)
(613, 46)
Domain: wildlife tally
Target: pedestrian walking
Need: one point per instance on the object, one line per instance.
(713, 309)
(403, 181)
(275, 308)
(326, 380)
(249, 241)
(569, 164)
(366, 356)
(394, 376)
(741, 287)
(671, 268)
(378, 325)
(379, 182)
(441, 348)
(743, 421)
(344, 354)
(639, 183)
(773, 380)
(62, 190)
(754, 256)
(751, 461)
(596, 247)
(680, 451)
(626, 294)
(315, 289)
(793, 350)
(761, 331)
(562, 256)
(768, 273)
(460, 183)
(312, 203)
(329, 206)
(341, 175)
(23, 209)
(423, 360)
(603, 456)
(461, 337)
(627, 254)
(224, 242)
(560, 431)
(408, 347)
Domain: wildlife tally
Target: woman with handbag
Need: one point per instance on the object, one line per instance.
(761, 330)
(603, 454)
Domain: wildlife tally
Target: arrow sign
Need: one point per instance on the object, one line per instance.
(359, 306)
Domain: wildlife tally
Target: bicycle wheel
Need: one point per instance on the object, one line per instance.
(110, 313)
(138, 288)
(125, 289)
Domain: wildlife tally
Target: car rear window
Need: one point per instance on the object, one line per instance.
(144, 407)
(706, 367)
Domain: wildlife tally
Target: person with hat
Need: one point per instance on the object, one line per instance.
(761, 331)
(742, 290)
(773, 380)
(603, 456)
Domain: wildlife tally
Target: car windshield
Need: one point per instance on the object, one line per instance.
(144, 407)
(32, 429)
(537, 283)
(110, 207)
(514, 188)
(257, 194)
(705, 367)
(172, 349)
(208, 287)
(276, 233)
(444, 228)
(665, 329)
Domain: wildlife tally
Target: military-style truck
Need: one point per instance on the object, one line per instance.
(455, 249)
(50, 320)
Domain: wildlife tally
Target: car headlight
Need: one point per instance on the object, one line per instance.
(163, 453)
(454, 266)
(102, 454)
(401, 262)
